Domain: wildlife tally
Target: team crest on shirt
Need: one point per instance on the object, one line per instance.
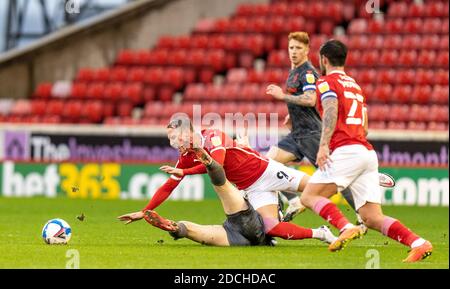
(310, 78)
(323, 87)
(216, 141)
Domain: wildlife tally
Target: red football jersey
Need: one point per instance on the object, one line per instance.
(351, 106)
(243, 166)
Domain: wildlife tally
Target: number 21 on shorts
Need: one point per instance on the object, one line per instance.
(357, 103)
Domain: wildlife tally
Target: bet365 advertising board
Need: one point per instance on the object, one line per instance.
(415, 186)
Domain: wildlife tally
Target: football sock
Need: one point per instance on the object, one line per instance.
(180, 233)
(330, 212)
(398, 232)
(289, 231)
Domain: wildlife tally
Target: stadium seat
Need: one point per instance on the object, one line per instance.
(95, 90)
(85, 74)
(383, 93)
(133, 92)
(440, 94)
(92, 111)
(412, 25)
(143, 57)
(78, 90)
(394, 26)
(441, 76)
(369, 58)
(126, 57)
(113, 91)
(102, 74)
(119, 73)
(416, 10)
(124, 109)
(43, 90)
(406, 76)
(421, 94)
(386, 76)
(398, 10)
(154, 76)
(442, 59)
(407, 58)
(72, 110)
(38, 107)
(401, 94)
(392, 41)
(136, 74)
(424, 76)
(426, 58)
(410, 41)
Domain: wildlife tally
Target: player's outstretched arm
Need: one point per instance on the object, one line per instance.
(308, 98)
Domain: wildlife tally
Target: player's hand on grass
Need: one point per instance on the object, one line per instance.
(131, 217)
(172, 171)
(323, 157)
(275, 91)
(288, 122)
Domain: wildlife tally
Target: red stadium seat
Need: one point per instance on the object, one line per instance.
(217, 41)
(416, 10)
(165, 93)
(358, 42)
(194, 91)
(237, 75)
(353, 59)
(250, 92)
(136, 74)
(370, 58)
(95, 90)
(386, 76)
(43, 90)
(204, 26)
(430, 42)
(437, 126)
(102, 74)
(440, 94)
(426, 58)
(406, 76)
(398, 113)
(72, 110)
(245, 10)
(407, 58)
(358, 26)
(398, 9)
(144, 57)
(411, 41)
(392, 42)
(124, 109)
(113, 91)
(280, 9)
(444, 42)
(375, 26)
(442, 60)
(295, 23)
(402, 94)
(222, 25)
(383, 93)
(38, 107)
(424, 76)
(119, 73)
(166, 42)
(441, 76)
(435, 9)
(154, 76)
(421, 94)
(54, 107)
(126, 57)
(213, 92)
(387, 58)
(93, 111)
(21, 107)
(375, 42)
(432, 25)
(199, 41)
(413, 25)
(133, 92)
(78, 90)
(366, 76)
(215, 59)
(394, 26)
(85, 74)
(262, 9)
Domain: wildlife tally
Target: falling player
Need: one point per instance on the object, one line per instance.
(347, 160)
(257, 175)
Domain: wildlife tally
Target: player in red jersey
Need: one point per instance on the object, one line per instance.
(251, 172)
(347, 159)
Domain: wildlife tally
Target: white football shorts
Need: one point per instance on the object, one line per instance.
(356, 167)
(276, 177)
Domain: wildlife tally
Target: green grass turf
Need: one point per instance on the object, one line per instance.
(104, 242)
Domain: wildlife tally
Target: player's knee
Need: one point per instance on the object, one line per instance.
(269, 224)
(373, 222)
(306, 200)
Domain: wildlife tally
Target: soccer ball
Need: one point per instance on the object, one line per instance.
(56, 231)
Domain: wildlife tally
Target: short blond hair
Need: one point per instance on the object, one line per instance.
(300, 36)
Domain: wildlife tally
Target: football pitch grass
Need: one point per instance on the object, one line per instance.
(104, 242)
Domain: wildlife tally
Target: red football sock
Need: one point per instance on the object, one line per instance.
(330, 212)
(289, 231)
(398, 232)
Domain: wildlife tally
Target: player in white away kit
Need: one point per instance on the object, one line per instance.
(347, 159)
